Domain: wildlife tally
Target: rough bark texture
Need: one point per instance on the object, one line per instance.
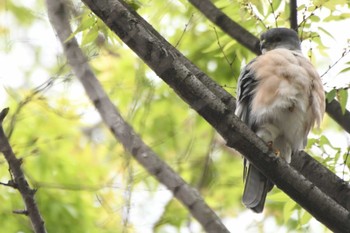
(122, 131)
(337, 188)
(175, 70)
(19, 181)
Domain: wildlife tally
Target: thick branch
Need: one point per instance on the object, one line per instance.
(168, 64)
(124, 132)
(336, 188)
(330, 183)
(19, 181)
(238, 33)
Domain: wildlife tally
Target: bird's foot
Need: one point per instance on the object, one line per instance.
(276, 151)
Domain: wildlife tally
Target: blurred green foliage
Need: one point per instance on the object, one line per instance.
(86, 182)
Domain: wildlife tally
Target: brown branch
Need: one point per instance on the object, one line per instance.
(334, 110)
(121, 130)
(19, 181)
(176, 70)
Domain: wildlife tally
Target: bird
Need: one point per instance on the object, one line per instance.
(280, 96)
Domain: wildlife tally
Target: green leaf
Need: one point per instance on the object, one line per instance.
(344, 70)
(324, 141)
(346, 158)
(89, 37)
(288, 210)
(87, 23)
(305, 218)
(331, 95)
(325, 32)
(279, 197)
(135, 4)
(315, 18)
(342, 96)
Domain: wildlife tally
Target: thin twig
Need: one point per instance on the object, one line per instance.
(10, 183)
(250, 10)
(222, 50)
(184, 31)
(128, 195)
(39, 89)
(22, 212)
(273, 13)
(346, 52)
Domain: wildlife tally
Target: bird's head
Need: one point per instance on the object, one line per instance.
(279, 38)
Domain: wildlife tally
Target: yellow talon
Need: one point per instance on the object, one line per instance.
(277, 152)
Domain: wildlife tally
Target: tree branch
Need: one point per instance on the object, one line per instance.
(238, 33)
(293, 16)
(121, 130)
(19, 181)
(168, 63)
(330, 183)
(334, 110)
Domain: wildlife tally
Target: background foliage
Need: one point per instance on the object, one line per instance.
(85, 181)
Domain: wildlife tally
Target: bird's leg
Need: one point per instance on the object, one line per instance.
(285, 148)
(268, 134)
(271, 147)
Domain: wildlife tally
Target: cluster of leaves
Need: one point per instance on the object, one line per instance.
(85, 179)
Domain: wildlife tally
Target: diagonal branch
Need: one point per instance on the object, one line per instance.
(173, 68)
(304, 163)
(238, 33)
(19, 181)
(334, 110)
(121, 130)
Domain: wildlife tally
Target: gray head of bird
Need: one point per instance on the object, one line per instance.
(279, 38)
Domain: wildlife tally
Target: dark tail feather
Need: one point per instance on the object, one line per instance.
(255, 190)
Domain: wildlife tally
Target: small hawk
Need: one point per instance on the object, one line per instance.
(280, 97)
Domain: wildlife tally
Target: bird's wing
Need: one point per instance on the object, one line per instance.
(256, 184)
(245, 92)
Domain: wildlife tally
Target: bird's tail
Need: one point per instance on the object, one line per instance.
(255, 189)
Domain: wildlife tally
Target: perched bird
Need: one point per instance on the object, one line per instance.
(280, 97)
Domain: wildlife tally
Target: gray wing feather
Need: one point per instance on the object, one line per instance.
(256, 184)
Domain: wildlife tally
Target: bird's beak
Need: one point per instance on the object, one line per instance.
(263, 46)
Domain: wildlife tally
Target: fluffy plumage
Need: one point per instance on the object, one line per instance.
(280, 97)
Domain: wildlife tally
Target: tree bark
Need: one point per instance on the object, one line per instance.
(175, 70)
